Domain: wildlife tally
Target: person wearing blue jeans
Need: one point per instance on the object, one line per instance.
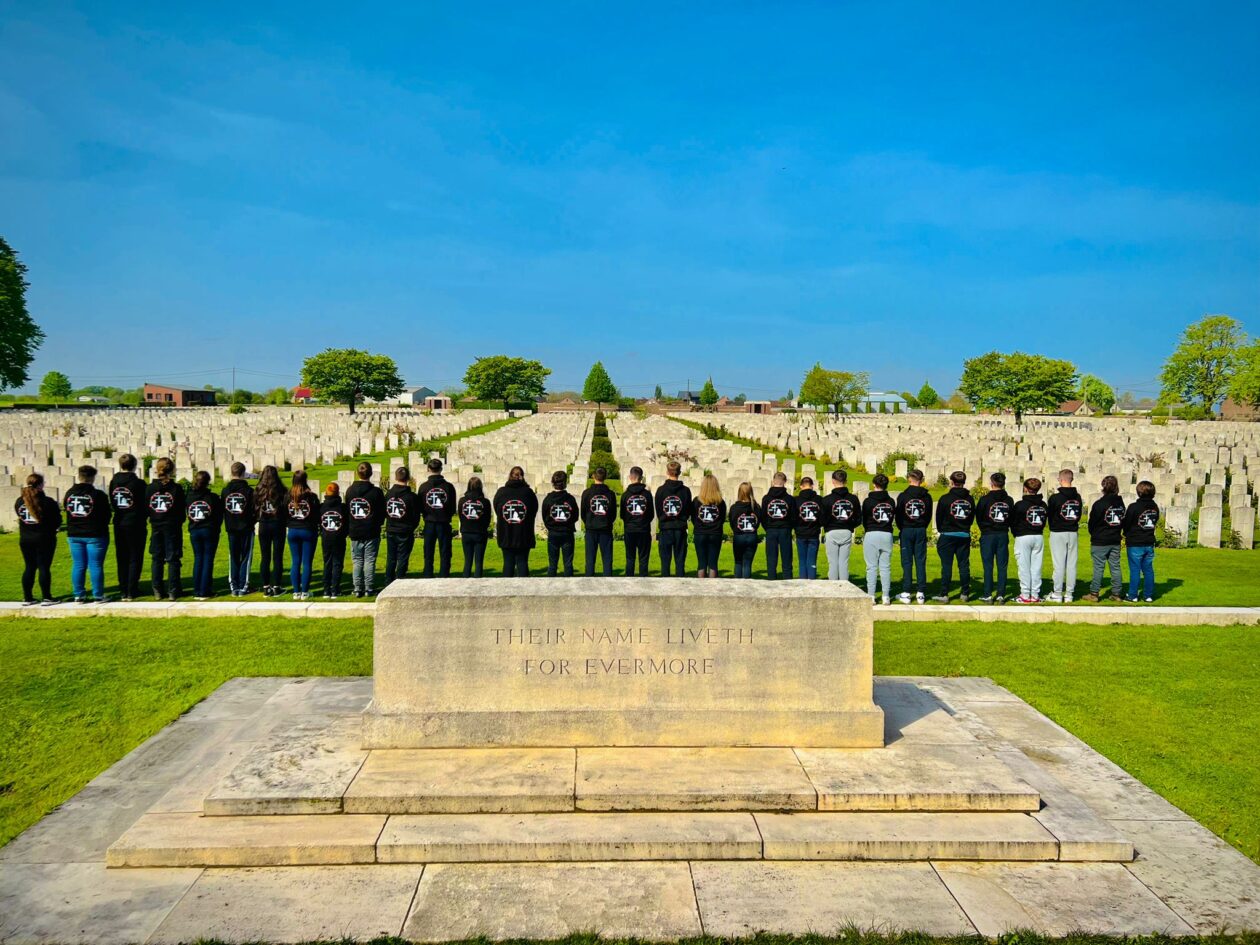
(303, 518)
(914, 514)
(204, 511)
(808, 524)
(87, 531)
(1140, 520)
(778, 515)
(745, 519)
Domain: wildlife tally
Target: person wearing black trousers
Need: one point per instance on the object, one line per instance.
(271, 501)
(333, 528)
(437, 507)
(39, 517)
(778, 516)
(126, 498)
(474, 526)
(515, 511)
(402, 517)
(560, 515)
(637, 512)
(673, 510)
(239, 516)
(599, 511)
(164, 499)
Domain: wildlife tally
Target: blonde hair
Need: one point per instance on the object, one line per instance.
(710, 493)
(746, 493)
(164, 467)
(30, 494)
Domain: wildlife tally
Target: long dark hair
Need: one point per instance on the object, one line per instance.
(299, 487)
(31, 492)
(475, 489)
(269, 488)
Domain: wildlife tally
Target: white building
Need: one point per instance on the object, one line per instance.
(413, 396)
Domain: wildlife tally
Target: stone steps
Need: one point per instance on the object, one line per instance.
(190, 840)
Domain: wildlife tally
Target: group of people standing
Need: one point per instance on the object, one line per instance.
(270, 514)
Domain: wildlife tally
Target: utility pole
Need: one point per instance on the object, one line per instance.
(232, 399)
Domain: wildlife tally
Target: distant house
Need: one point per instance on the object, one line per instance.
(92, 399)
(757, 406)
(689, 397)
(410, 396)
(438, 402)
(1233, 410)
(1074, 408)
(155, 395)
(302, 395)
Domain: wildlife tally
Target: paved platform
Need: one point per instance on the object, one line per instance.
(1103, 614)
(729, 873)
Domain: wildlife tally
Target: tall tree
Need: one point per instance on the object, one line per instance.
(658, 394)
(499, 377)
(928, 397)
(1097, 393)
(599, 386)
(825, 388)
(1017, 381)
(1200, 366)
(348, 376)
(55, 386)
(708, 394)
(19, 335)
(1244, 386)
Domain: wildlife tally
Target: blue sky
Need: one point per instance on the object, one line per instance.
(681, 190)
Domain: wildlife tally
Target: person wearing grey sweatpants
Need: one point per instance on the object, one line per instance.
(842, 514)
(1067, 511)
(1028, 524)
(879, 511)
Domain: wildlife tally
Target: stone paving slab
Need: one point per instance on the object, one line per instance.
(283, 840)
(652, 901)
(905, 836)
(741, 899)
(1207, 882)
(480, 838)
(463, 781)
(82, 828)
(301, 768)
(1134, 615)
(906, 776)
(1108, 789)
(293, 904)
(56, 903)
(1057, 898)
(743, 779)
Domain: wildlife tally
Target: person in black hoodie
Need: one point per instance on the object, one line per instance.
(474, 526)
(708, 514)
(955, 512)
(879, 512)
(437, 507)
(164, 498)
(560, 515)
(914, 514)
(402, 516)
(673, 509)
(599, 511)
(238, 521)
(126, 498)
(637, 512)
(365, 504)
(745, 521)
(204, 511)
(87, 531)
(1140, 521)
(271, 503)
(809, 522)
(994, 512)
(302, 516)
(778, 515)
(1028, 524)
(515, 511)
(333, 527)
(842, 514)
(1106, 521)
(1066, 512)
(38, 517)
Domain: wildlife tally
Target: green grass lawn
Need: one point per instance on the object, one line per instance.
(1174, 707)
(1184, 576)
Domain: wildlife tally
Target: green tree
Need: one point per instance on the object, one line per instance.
(791, 394)
(1200, 366)
(708, 394)
(928, 398)
(599, 386)
(740, 398)
(280, 395)
(1097, 393)
(658, 394)
(1017, 381)
(1244, 386)
(824, 388)
(19, 335)
(499, 377)
(911, 401)
(348, 376)
(54, 386)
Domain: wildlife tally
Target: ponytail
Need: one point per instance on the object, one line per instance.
(31, 493)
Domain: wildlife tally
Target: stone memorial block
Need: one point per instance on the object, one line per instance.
(1210, 526)
(1177, 519)
(607, 662)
